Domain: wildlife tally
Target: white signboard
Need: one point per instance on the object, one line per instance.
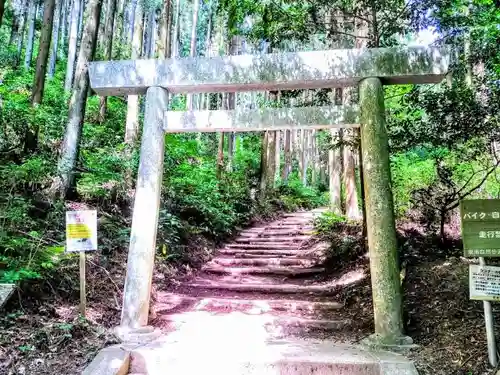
(484, 282)
(81, 231)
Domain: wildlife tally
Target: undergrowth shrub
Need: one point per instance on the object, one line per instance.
(295, 196)
(345, 238)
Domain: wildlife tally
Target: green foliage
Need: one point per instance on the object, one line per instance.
(194, 203)
(294, 195)
(328, 222)
(343, 235)
(410, 171)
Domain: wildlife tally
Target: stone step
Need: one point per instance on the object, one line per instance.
(271, 270)
(287, 232)
(267, 246)
(257, 252)
(296, 322)
(246, 352)
(305, 262)
(271, 324)
(278, 225)
(170, 302)
(274, 239)
(297, 214)
(246, 255)
(266, 287)
(290, 226)
(297, 220)
(277, 233)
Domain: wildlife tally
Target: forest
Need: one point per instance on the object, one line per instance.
(62, 147)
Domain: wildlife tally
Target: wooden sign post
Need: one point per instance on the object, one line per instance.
(81, 236)
(481, 238)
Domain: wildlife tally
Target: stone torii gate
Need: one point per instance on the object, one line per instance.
(369, 69)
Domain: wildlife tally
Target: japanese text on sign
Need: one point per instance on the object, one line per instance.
(484, 283)
(481, 227)
(480, 215)
(81, 231)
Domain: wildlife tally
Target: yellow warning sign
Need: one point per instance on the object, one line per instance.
(78, 231)
(81, 230)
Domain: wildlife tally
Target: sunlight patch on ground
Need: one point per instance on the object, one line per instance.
(441, 266)
(65, 312)
(248, 307)
(351, 277)
(234, 333)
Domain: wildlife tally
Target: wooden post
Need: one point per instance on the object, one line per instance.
(489, 324)
(145, 215)
(83, 296)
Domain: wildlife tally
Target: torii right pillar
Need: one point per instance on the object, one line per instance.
(380, 223)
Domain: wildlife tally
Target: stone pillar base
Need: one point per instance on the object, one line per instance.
(136, 336)
(399, 344)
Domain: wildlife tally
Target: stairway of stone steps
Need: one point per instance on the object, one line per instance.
(257, 289)
(267, 273)
(258, 308)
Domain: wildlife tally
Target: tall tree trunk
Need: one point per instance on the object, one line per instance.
(277, 158)
(231, 144)
(118, 29)
(351, 195)
(22, 26)
(152, 35)
(132, 125)
(299, 152)
(55, 38)
(220, 157)
(131, 20)
(43, 52)
(2, 9)
(73, 41)
(164, 45)
(271, 158)
(264, 165)
(31, 35)
(108, 49)
(17, 15)
(177, 28)
(14, 29)
(205, 98)
(467, 53)
(101, 33)
(231, 104)
(192, 48)
(66, 10)
(335, 174)
(71, 143)
(293, 147)
(322, 169)
(288, 156)
(315, 162)
(81, 16)
(39, 11)
(303, 156)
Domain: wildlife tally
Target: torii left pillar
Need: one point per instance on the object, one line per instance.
(142, 247)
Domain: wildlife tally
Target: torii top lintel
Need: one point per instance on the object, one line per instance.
(276, 71)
